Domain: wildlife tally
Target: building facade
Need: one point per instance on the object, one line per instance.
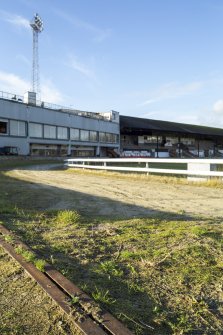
(37, 128)
(40, 129)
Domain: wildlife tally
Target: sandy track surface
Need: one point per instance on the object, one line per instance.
(99, 195)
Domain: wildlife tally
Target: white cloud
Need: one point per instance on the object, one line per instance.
(148, 115)
(148, 102)
(76, 65)
(15, 19)
(24, 60)
(172, 90)
(99, 34)
(50, 93)
(218, 107)
(12, 83)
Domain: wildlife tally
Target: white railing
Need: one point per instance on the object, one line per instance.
(194, 167)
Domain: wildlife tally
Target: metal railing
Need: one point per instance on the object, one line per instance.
(189, 167)
(48, 105)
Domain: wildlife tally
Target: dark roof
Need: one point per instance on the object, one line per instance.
(129, 124)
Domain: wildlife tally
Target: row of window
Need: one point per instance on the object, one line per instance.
(16, 128)
(38, 130)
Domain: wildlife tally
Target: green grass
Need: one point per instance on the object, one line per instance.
(65, 218)
(18, 162)
(40, 264)
(29, 256)
(152, 273)
(103, 296)
(164, 273)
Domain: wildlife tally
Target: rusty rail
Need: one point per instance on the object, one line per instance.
(84, 313)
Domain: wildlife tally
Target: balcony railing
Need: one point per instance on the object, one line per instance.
(48, 105)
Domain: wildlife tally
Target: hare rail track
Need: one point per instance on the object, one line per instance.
(81, 309)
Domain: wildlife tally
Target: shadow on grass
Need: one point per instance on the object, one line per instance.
(131, 302)
(126, 301)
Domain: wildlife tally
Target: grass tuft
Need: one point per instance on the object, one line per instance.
(31, 257)
(103, 296)
(40, 264)
(66, 218)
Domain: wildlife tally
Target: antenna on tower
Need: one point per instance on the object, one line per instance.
(37, 27)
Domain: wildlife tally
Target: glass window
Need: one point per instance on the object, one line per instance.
(49, 131)
(74, 134)
(152, 139)
(109, 138)
(93, 136)
(35, 130)
(113, 138)
(102, 137)
(188, 141)
(172, 140)
(62, 133)
(3, 127)
(17, 128)
(84, 135)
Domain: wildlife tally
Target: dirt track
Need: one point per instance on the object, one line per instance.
(99, 195)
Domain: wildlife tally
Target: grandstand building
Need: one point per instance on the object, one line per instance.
(31, 127)
(153, 138)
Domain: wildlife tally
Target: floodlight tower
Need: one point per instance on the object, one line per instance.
(37, 27)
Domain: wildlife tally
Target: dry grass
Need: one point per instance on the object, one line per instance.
(214, 182)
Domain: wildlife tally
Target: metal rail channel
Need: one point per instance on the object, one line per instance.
(84, 314)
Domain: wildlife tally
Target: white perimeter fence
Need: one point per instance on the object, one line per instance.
(193, 168)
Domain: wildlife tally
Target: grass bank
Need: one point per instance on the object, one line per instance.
(159, 275)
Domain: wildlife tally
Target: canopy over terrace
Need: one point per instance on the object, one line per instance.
(139, 126)
(155, 138)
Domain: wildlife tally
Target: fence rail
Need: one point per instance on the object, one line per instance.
(194, 167)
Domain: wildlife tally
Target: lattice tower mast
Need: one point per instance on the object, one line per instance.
(37, 27)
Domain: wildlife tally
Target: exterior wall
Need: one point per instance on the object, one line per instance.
(14, 110)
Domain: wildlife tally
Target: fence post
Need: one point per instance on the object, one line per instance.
(147, 166)
(200, 167)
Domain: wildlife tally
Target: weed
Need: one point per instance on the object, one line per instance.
(52, 259)
(67, 217)
(8, 238)
(84, 287)
(19, 250)
(103, 296)
(111, 268)
(31, 257)
(64, 272)
(75, 300)
(28, 255)
(40, 264)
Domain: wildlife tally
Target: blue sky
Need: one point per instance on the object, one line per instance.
(158, 59)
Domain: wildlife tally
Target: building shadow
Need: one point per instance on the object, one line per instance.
(29, 196)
